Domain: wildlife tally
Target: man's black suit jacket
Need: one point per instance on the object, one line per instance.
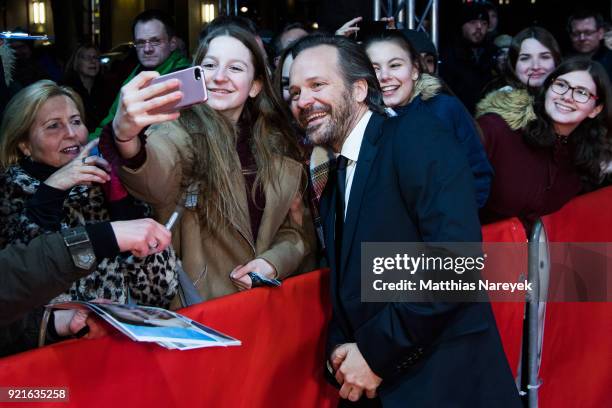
(412, 183)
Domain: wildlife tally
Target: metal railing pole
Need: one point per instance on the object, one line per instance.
(539, 270)
(435, 23)
(410, 14)
(376, 10)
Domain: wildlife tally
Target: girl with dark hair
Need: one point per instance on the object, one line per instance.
(533, 55)
(237, 152)
(546, 152)
(406, 86)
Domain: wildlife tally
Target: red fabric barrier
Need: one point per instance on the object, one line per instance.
(576, 365)
(509, 315)
(279, 364)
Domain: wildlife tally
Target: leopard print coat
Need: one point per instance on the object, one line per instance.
(151, 280)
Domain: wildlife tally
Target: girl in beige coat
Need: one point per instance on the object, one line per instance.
(240, 156)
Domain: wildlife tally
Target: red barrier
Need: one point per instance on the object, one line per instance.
(279, 364)
(576, 365)
(509, 315)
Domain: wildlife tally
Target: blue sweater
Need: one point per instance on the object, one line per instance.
(456, 118)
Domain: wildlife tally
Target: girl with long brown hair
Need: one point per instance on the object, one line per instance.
(547, 150)
(237, 151)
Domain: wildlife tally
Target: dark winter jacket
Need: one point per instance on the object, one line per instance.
(428, 96)
(31, 276)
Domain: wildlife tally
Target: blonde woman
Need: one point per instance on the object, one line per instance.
(49, 182)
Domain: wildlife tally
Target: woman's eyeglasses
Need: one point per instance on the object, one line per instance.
(579, 94)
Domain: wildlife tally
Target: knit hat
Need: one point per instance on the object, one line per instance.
(472, 11)
(420, 41)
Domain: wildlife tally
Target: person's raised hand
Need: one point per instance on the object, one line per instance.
(82, 170)
(349, 28)
(138, 102)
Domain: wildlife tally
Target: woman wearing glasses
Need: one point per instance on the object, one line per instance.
(547, 152)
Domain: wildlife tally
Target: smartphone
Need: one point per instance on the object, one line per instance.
(369, 29)
(260, 280)
(192, 84)
(95, 151)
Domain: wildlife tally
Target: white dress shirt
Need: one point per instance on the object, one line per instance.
(350, 150)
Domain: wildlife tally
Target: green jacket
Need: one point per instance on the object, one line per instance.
(174, 62)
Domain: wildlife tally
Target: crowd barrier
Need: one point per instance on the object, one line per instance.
(576, 361)
(280, 362)
(509, 315)
(283, 332)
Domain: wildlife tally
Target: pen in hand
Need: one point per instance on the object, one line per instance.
(191, 201)
(173, 218)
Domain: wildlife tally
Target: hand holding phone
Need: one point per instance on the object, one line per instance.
(254, 273)
(138, 103)
(84, 169)
(260, 280)
(191, 83)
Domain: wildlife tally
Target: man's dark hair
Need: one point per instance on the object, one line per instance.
(539, 34)
(158, 15)
(583, 15)
(353, 62)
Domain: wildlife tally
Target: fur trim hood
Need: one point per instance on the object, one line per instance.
(427, 86)
(515, 106)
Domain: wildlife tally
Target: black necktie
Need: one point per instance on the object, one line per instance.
(341, 163)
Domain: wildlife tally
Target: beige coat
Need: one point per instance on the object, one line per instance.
(207, 259)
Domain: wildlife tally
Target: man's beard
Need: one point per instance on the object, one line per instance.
(334, 129)
(477, 37)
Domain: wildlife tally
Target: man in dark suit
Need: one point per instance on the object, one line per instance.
(397, 180)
